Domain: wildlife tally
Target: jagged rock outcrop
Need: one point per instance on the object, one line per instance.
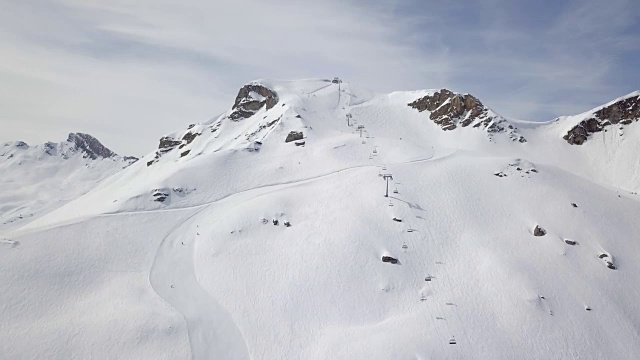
(250, 99)
(168, 143)
(622, 112)
(389, 259)
(450, 110)
(90, 146)
(294, 136)
(77, 143)
(538, 231)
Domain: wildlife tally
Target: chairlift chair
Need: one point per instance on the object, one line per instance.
(452, 341)
(395, 191)
(404, 246)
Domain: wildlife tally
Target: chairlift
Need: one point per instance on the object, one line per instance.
(375, 151)
(384, 167)
(395, 191)
(452, 341)
(428, 278)
(410, 230)
(390, 203)
(404, 246)
(423, 297)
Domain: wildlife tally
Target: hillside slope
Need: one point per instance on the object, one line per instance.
(265, 234)
(37, 179)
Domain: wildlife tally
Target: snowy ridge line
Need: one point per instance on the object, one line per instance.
(23, 231)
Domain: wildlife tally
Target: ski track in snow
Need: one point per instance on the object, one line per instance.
(212, 331)
(20, 232)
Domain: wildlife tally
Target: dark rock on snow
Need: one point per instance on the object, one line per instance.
(448, 110)
(90, 146)
(389, 259)
(247, 103)
(538, 231)
(293, 136)
(622, 112)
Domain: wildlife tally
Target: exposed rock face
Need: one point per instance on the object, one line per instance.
(538, 231)
(450, 110)
(622, 112)
(77, 143)
(168, 143)
(608, 260)
(90, 146)
(250, 99)
(389, 259)
(294, 136)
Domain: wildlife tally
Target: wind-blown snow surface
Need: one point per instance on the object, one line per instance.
(206, 274)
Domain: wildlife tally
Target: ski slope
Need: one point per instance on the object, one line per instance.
(207, 274)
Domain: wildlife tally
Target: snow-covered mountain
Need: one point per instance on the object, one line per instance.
(37, 179)
(265, 234)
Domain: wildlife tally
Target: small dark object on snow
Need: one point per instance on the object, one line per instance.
(287, 224)
(610, 265)
(587, 308)
(395, 191)
(538, 231)
(397, 220)
(293, 136)
(275, 222)
(452, 342)
(172, 286)
(534, 170)
(428, 278)
(299, 143)
(404, 246)
(389, 259)
(574, 205)
(602, 256)
(570, 242)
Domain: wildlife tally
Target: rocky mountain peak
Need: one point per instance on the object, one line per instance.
(90, 146)
(450, 110)
(250, 99)
(621, 112)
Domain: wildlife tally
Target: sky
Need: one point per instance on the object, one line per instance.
(129, 72)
